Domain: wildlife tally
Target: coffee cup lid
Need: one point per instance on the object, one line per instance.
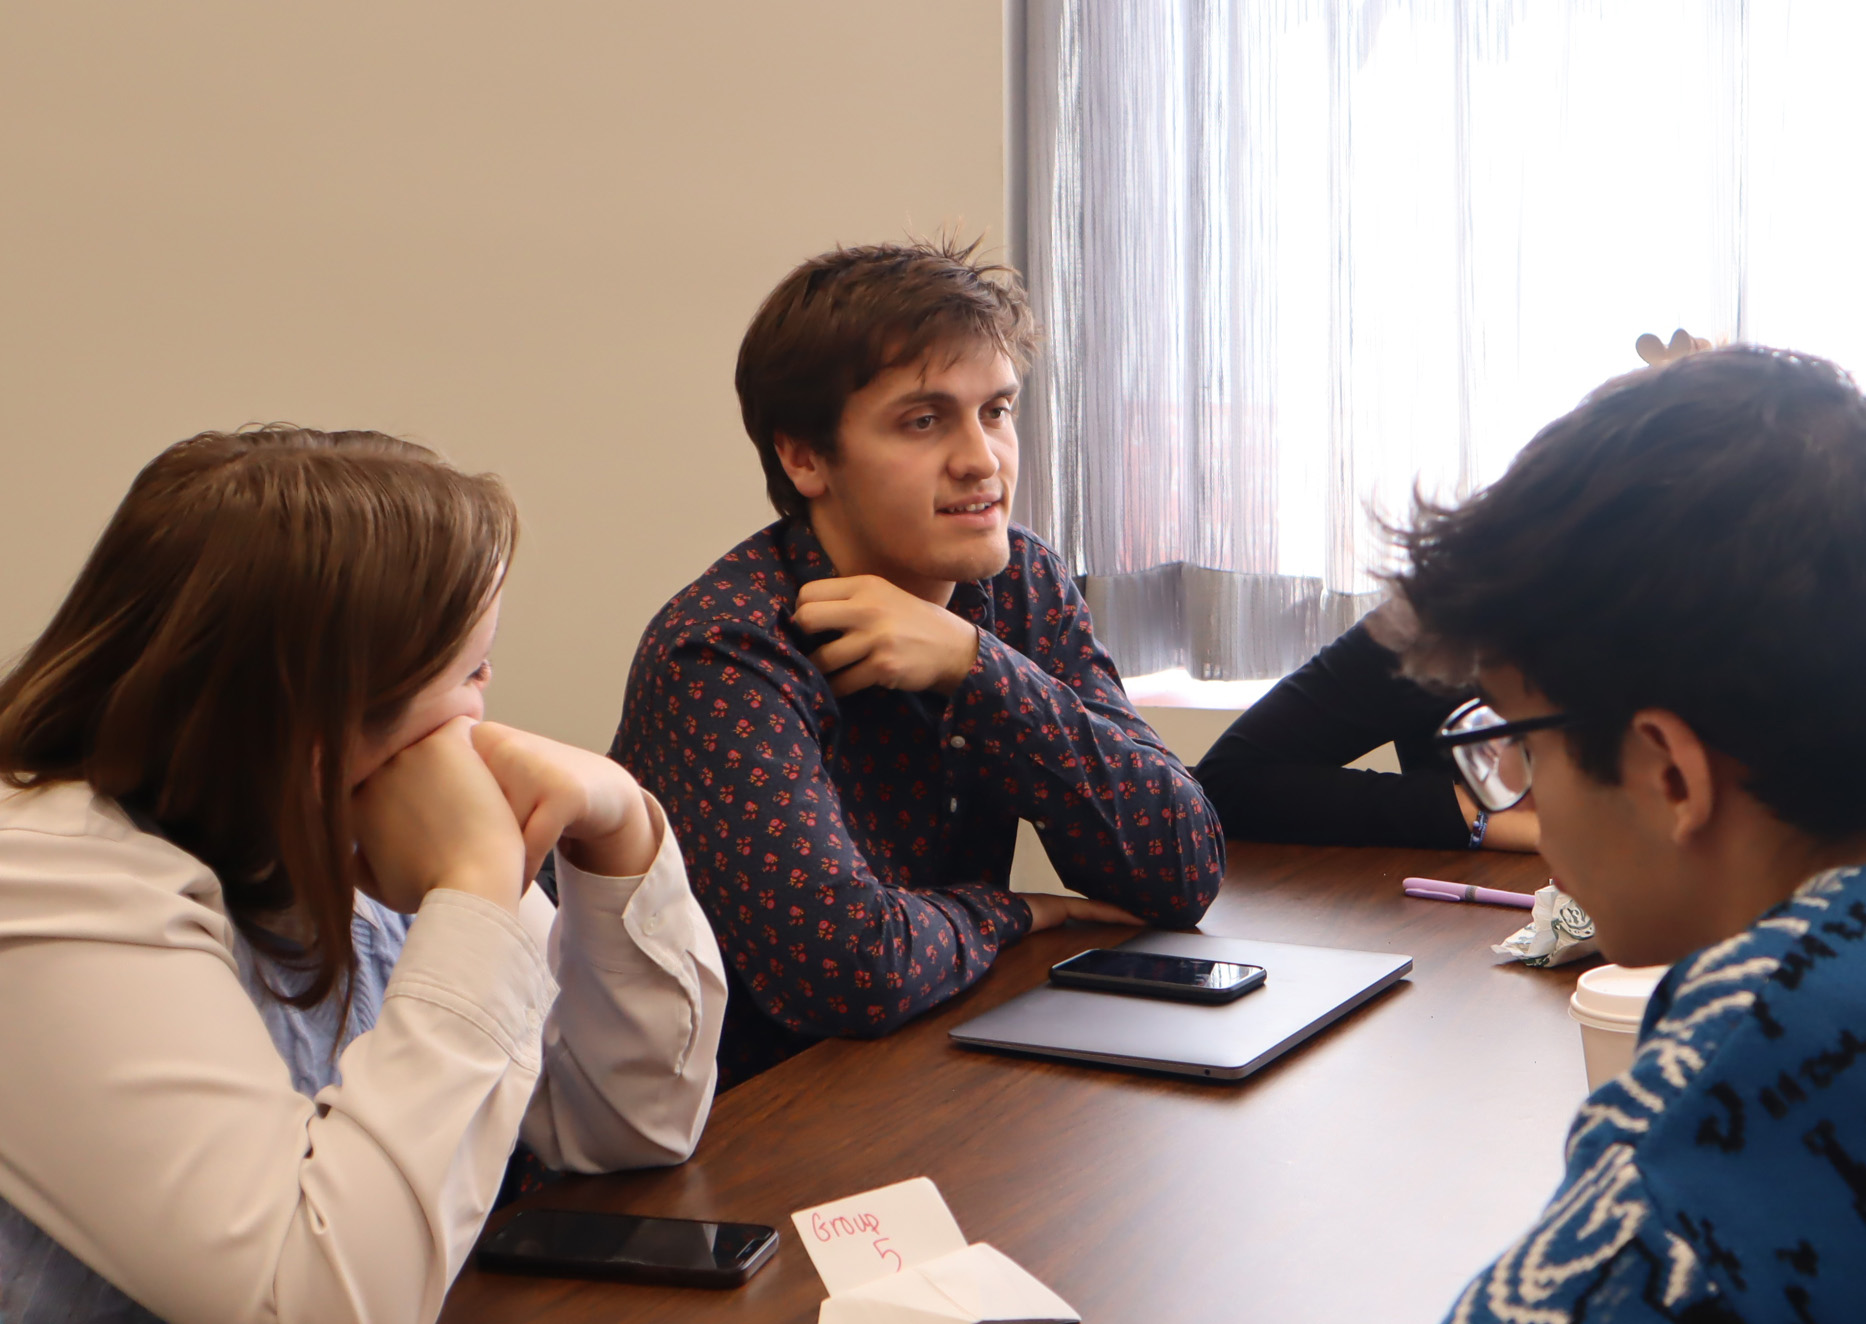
(1616, 992)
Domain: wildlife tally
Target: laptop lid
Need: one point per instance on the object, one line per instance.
(1305, 988)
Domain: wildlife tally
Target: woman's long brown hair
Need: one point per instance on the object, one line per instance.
(259, 600)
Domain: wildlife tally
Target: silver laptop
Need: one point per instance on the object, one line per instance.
(1305, 988)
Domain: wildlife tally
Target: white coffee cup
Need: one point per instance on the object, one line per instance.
(1609, 1002)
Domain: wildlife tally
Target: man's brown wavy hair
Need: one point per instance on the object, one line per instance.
(259, 600)
(842, 318)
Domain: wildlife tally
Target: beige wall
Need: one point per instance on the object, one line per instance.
(530, 235)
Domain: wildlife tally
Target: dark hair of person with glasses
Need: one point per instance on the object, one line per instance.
(1692, 539)
(1662, 608)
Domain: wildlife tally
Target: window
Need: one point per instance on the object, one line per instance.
(1294, 257)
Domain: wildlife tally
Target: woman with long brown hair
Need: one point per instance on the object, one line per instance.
(270, 1018)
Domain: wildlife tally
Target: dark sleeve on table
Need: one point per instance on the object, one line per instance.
(722, 730)
(1049, 730)
(1276, 774)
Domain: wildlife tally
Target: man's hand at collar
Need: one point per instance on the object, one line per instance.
(889, 637)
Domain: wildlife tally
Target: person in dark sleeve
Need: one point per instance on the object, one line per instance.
(1276, 773)
(847, 715)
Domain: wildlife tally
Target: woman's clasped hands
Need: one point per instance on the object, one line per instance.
(476, 806)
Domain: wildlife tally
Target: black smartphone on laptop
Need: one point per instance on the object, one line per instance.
(1156, 975)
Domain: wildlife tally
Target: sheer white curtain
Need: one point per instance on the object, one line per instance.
(1295, 256)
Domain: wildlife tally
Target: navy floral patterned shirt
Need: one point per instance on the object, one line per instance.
(854, 854)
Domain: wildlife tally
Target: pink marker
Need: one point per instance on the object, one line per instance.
(1431, 889)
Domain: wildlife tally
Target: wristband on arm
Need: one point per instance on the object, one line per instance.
(1478, 825)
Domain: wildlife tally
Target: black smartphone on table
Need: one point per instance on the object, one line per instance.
(679, 1252)
(1153, 975)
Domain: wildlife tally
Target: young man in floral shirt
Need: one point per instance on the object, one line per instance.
(849, 712)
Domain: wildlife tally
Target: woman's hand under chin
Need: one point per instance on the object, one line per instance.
(558, 791)
(434, 816)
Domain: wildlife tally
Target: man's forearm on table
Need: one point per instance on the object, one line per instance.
(863, 983)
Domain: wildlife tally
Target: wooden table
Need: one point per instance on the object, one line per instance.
(1364, 1176)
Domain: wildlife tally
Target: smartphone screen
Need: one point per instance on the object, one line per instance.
(569, 1241)
(1193, 976)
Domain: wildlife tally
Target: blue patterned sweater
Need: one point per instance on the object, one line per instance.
(1723, 1176)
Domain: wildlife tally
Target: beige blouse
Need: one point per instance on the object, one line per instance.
(149, 1125)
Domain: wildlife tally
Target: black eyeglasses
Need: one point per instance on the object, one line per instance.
(1489, 752)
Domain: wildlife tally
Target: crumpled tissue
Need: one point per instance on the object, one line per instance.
(1558, 931)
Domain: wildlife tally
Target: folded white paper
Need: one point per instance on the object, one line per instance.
(896, 1256)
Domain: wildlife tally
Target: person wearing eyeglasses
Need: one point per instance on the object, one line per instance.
(1276, 773)
(1661, 608)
